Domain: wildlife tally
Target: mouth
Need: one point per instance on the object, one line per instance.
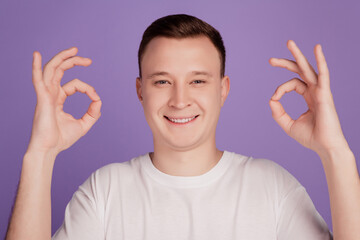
(184, 120)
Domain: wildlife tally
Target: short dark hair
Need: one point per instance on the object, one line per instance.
(182, 26)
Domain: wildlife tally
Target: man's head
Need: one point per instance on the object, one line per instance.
(182, 26)
(181, 87)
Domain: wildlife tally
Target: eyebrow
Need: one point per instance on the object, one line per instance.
(193, 73)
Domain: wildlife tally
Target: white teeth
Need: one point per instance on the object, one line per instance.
(184, 120)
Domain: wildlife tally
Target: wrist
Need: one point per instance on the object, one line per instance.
(336, 156)
(41, 157)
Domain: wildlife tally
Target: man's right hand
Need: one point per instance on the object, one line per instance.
(54, 130)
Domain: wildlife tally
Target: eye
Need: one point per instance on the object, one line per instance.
(198, 81)
(160, 82)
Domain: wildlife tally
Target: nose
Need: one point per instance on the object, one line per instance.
(180, 97)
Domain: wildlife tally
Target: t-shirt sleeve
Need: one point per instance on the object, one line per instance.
(82, 219)
(297, 216)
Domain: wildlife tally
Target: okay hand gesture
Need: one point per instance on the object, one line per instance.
(53, 129)
(319, 127)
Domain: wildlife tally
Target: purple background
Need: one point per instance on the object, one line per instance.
(110, 32)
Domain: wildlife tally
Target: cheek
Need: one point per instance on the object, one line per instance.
(151, 112)
(209, 99)
(153, 102)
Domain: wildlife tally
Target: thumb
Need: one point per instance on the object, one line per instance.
(91, 116)
(280, 115)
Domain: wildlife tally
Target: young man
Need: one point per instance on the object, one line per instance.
(186, 188)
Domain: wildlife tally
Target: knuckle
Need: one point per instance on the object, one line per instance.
(296, 80)
(59, 70)
(50, 66)
(74, 82)
(300, 81)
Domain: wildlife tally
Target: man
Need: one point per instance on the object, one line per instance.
(186, 188)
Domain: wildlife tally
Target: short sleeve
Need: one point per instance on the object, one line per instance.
(81, 220)
(299, 219)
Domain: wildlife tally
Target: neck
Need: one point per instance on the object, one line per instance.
(192, 162)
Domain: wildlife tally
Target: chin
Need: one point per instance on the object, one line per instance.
(181, 145)
(183, 148)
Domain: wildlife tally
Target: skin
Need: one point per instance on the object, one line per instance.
(186, 149)
(53, 131)
(191, 146)
(319, 129)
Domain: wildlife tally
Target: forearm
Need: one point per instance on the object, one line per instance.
(344, 190)
(31, 217)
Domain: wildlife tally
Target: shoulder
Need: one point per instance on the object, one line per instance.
(265, 172)
(261, 166)
(119, 170)
(113, 175)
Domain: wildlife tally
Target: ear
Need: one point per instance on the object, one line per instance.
(138, 89)
(225, 88)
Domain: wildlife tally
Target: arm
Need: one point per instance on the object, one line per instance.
(31, 218)
(53, 131)
(344, 191)
(319, 129)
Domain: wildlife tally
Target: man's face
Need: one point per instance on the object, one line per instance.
(181, 91)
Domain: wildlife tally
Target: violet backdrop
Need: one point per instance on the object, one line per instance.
(109, 32)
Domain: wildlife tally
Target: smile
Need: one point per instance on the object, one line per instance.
(181, 120)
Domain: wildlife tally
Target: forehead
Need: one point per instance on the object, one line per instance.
(180, 56)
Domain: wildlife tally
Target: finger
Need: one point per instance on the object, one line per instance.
(278, 112)
(323, 78)
(50, 67)
(306, 69)
(285, 63)
(93, 113)
(280, 116)
(37, 72)
(76, 85)
(91, 116)
(291, 85)
(69, 63)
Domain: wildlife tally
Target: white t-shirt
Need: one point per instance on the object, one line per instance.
(239, 198)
